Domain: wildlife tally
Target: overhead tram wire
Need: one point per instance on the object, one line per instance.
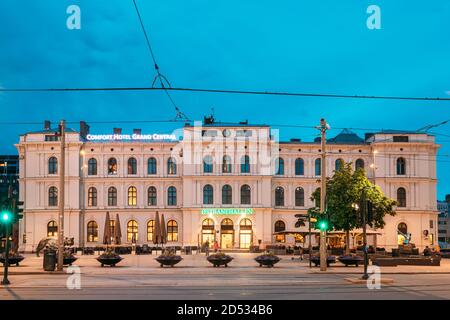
(179, 114)
(188, 89)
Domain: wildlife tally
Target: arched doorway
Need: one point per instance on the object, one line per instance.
(245, 233)
(226, 234)
(208, 232)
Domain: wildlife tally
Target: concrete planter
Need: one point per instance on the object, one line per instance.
(218, 260)
(267, 260)
(168, 260)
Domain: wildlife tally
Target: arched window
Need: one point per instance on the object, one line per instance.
(92, 197)
(132, 166)
(172, 196)
(150, 229)
(208, 232)
(171, 166)
(401, 197)
(52, 197)
(52, 165)
(52, 229)
(245, 194)
(299, 167)
(279, 196)
(208, 194)
(245, 164)
(227, 197)
(299, 197)
(402, 227)
(151, 166)
(338, 164)
(207, 164)
(359, 164)
(112, 196)
(92, 231)
(92, 167)
(132, 231)
(226, 164)
(317, 167)
(132, 196)
(152, 196)
(112, 166)
(172, 230)
(280, 226)
(401, 166)
(279, 167)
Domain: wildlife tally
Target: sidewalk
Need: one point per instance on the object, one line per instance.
(197, 264)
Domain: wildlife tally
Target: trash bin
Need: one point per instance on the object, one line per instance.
(188, 250)
(49, 260)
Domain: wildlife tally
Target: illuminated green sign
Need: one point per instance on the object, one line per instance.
(227, 211)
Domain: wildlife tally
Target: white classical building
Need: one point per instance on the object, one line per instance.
(234, 184)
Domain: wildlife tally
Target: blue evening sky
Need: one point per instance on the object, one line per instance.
(304, 46)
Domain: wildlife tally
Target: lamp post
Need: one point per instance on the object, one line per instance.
(363, 216)
(61, 194)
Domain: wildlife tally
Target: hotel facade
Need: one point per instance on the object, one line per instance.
(235, 184)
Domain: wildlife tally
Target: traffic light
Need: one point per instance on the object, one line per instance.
(18, 211)
(323, 224)
(6, 217)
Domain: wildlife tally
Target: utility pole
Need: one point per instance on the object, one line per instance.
(62, 161)
(364, 222)
(323, 236)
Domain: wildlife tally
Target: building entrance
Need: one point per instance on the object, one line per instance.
(226, 234)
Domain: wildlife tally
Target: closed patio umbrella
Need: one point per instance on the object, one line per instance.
(163, 230)
(157, 230)
(107, 233)
(117, 231)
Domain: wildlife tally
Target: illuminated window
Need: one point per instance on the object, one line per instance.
(52, 165)
(112, 166)
(52, 229)
(132, 231)
(52, 196)
(279, 167)
(92, 197)
(299, 167)
(227, 194)
(132, 196)
(112, 196)
(245, 194)
(245, 164)
(172, 230)
(207, 164)
(172, 196)
(151, 166)
(92, 231)
(152, 196)
(299, 197)
(132, 166)
(92, 167)
(279, 227)
(150, 230)
(279, 196)
(208, 194)
(171, 166)
(226, 164)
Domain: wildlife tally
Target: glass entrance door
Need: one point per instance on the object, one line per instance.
(245, 239)
(226, 241)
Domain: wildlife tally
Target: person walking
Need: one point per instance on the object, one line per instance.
(216, 246)
(207, 248)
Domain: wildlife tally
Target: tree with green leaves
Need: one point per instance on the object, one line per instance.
(343, 193)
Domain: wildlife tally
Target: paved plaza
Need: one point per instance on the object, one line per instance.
(141, 277)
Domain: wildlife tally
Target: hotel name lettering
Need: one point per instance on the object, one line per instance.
(152, 137)
(227, 211)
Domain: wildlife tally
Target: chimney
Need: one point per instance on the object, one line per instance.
(137, 131)
(84, 129)
(117, 130)
(47, 124)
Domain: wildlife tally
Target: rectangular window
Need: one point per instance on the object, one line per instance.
(400, 138)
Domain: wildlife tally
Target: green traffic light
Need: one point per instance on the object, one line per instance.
(6, 216)
(323, 225)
